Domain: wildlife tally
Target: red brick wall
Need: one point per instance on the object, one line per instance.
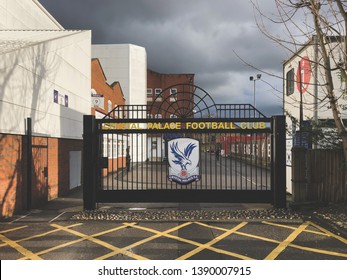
(11, 174)
(50, 176)
(164, 81)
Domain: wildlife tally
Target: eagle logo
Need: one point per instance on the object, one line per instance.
(182, 159)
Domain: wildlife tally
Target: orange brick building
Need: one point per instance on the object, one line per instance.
(105, 98)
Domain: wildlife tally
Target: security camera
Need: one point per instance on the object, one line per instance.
(258, 76)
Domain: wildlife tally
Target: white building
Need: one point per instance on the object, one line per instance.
(45, 75)
(311, 92)
(127, 64)
(26, 15)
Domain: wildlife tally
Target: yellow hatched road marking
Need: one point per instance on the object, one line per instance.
(284, 244)
(293, 228)
(157, 235)
(210, 243)
(343, 240)
(197, 244)
(318, 251)
(28, 254)
(12, 229)
(92, 238)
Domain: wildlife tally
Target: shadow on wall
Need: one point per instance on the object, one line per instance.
(11, 174)
(23, 85)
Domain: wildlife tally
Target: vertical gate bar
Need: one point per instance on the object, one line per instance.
(251, 165)
(226, 156)
(107, 156)
(112, 165)
(230, 145)
(220, 162)
(261, 159)
(256, 159)
(161, 161)
(241, 160)
(29, 147)
(142, 162)
(148, 148)
(279, 161)
(124, 144)
(89, 162)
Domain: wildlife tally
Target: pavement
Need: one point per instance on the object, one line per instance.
(186, 231)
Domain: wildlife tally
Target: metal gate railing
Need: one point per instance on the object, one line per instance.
(133, 153)
(246, 168)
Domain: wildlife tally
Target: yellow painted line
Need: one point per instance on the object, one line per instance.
(91, 238)
(258, 237)
(143, 241)
(318, 251)
(343, 240)
(284, 244)
(210, 243)
(209, 226)
(44, 233)
(12, 229)
(293, 228)
(229, 253)
(28, 254)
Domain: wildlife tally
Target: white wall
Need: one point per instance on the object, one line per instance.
(126, 64)
(26, 14)
(31, 72)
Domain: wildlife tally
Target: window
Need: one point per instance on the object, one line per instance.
(173, 92)
(157, 91)
(149, 94)
(290, 82)
(157, 116)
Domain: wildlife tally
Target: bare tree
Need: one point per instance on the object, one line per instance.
(326, 21)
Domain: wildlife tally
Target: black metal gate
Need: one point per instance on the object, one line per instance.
(240, 152)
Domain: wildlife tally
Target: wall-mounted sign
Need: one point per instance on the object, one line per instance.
(183, 156)
(303, 74)
(61, 99)
(98, 101)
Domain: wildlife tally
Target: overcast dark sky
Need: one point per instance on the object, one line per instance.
(188, 36)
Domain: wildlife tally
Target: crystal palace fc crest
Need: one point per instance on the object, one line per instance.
(183, 155)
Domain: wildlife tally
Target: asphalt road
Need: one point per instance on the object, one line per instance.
(51, 234)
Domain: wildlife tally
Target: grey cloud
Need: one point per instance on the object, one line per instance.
(190, 36)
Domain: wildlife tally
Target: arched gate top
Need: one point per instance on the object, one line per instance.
(185, 101)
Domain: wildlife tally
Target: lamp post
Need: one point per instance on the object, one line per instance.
(254, 79)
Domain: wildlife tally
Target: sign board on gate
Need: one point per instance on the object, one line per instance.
(183, 156)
